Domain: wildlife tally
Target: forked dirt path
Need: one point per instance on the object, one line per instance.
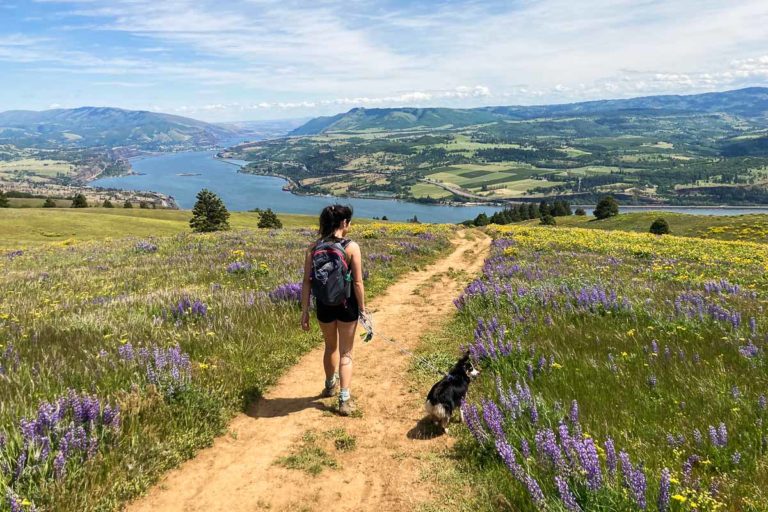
(384, 472)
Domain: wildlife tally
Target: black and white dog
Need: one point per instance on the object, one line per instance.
(446, 395)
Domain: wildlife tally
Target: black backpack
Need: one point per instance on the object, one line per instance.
(331, 276)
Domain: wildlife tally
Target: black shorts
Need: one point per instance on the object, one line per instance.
(347, 312)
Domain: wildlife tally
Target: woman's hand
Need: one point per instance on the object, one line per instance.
(305, 320)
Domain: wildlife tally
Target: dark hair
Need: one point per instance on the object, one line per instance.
(331, 218)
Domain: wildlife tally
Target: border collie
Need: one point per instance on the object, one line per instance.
(446, 395)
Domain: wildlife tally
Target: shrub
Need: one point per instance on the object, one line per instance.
(209, 213)
(79, 201)
(606, 207)
(581, 212)
(107, 204)
(660, 227)
(4, 200)
(49, 203)
(127, 204)
(548, 220)
(268, 219)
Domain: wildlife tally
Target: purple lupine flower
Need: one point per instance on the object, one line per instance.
(735, 393)
(493, 418)
(697, 436)
(529, 371)
(722, 435)
(569, 500)
(574, 413)
(664, 490)
(59, 465)
(525, 448)
(125, 352)
(634, 480)
(534, 412)
(534, 490)
(287, 292)
(753, 325)
(652, 381)
(688, 467)
(239, 267)
(750, 350)
(610, 456)
(508, 457)
(762, 403)
(590, 462)
(472, 420)
(13, 502)
(145, 246)
(736, 458)
(548, 448)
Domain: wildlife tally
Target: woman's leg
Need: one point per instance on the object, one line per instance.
(346, 343)
(331, 355)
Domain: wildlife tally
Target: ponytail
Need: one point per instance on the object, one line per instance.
(332, 217)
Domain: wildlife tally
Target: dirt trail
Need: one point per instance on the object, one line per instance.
(238, 473)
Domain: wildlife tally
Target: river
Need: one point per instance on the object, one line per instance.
(182, 175)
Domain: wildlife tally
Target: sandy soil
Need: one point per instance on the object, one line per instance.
(386, 470)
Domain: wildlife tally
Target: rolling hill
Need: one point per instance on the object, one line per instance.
(750, 104)
(110, 127)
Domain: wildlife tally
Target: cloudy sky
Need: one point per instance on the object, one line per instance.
(270, 59)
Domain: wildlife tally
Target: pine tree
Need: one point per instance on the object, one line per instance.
(533, 211)
(79, 201)
(4, 203)
(49, 203)
(268, 219)
(107, 204)
(482, 220)
(209, 213)
(606, 207)
(544, 209)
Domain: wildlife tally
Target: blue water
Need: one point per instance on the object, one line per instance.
(242, 192)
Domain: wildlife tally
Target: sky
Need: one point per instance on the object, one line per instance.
(241, 60)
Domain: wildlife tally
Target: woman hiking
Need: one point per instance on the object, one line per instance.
(333, 273)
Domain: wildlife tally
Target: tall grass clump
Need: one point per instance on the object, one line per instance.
(120, 358)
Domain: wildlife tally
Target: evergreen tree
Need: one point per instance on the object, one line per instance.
(482, 220)
(268, 219)
(209, 213)
(79, 201)
(49, 203)
(143, 205)
(384, 217)
(127, 204)
(606, 207)
(660, 227)
(533, 211)
(107, 204)
(523, 212)
(4, 203)
(558, 209)
(568, 209)
(544, 209)
(581, 212)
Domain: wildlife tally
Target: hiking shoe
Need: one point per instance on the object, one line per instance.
(328, 392)
(346, 407)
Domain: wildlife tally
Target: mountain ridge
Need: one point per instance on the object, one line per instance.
(750, 102)
(90, 126)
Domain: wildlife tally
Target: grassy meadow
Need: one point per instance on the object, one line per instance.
(31, 226)
(620, 371)
(748, 228)
(119, 358)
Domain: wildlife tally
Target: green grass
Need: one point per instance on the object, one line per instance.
(69, 313)
(308, 456)
(749, 228)
(28, 227)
